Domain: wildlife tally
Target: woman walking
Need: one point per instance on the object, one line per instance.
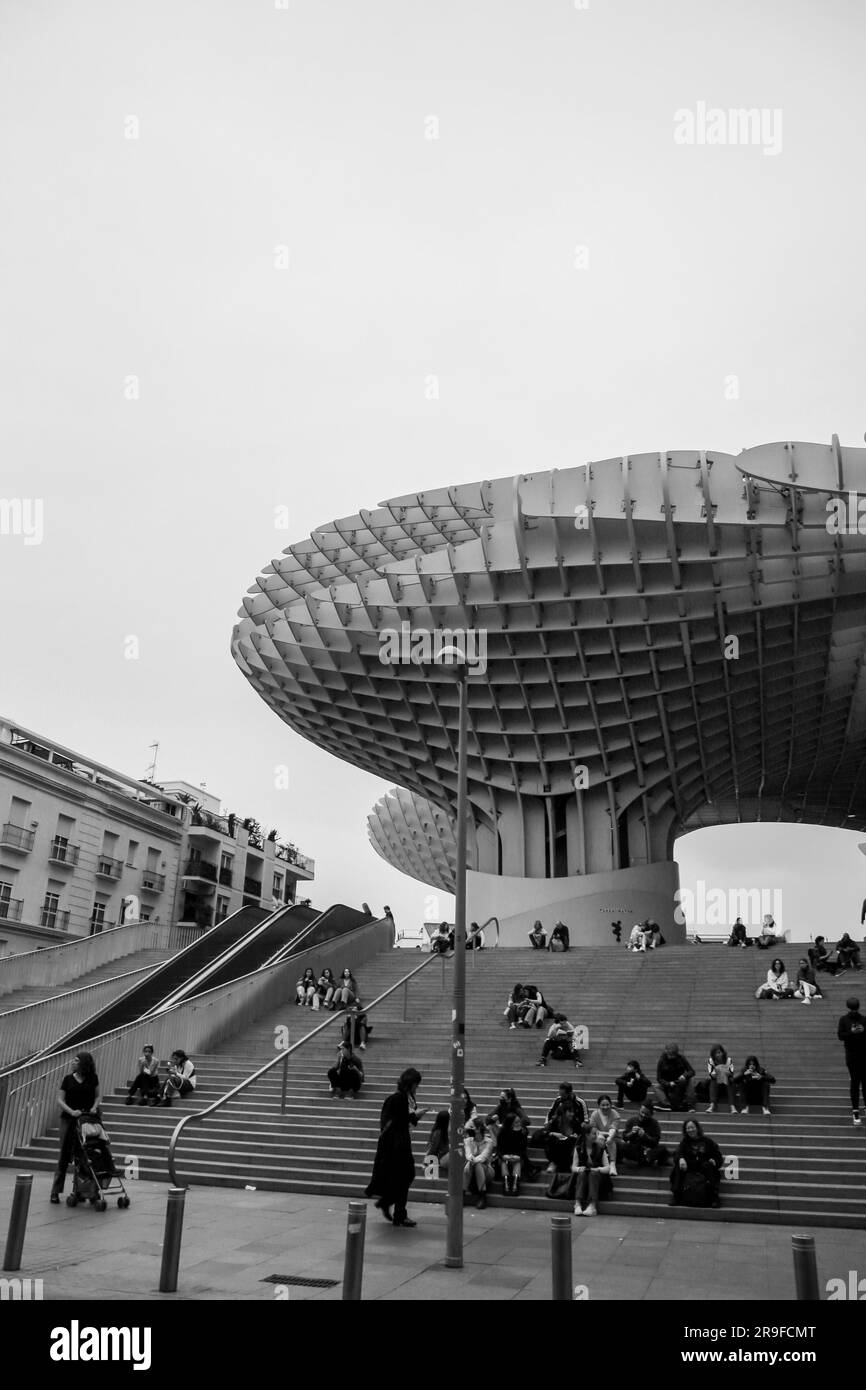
(394, 1166)
(79, 1095)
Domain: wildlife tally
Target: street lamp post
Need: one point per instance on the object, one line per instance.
(454, 1249)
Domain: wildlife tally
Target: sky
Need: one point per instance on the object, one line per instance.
(265, 264)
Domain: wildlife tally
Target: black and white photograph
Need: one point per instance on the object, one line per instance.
(433, 675)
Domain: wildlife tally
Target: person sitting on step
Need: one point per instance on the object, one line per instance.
(325, 986)
(603, 1130)
(181, 1078)
(752, 1085)
(566, 1119)
(848, 953)
(559, 938)
(720, 1072)
(470, 1109)
(777, 984)
(508, 1104)
(593, 1172)
(346, 991)
(738, 935)
(538, 936)
(347, 1074)
(652, 934)
(697, 1169)
(807, 986)
(512, 1140)
(642, 1139)
(768, 936)
(475, 937)
(305, 989)
(561, 1042)
(674, 1077)
(479, 1146)
(147, 1079)
(516, 1006)
(637, 938)
(821, 957)
(356, 1030)
(535, 1008)
(443, 939)
(438, 1145)
(632, 1086)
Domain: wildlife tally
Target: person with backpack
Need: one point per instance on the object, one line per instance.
(852, 1032)
(560, 1042)
(181, 1078)
(347, 1075)
(697, 1169)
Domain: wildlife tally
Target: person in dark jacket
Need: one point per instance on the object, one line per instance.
(438, 1145)
(516, 1006)
(675, 1076)
(508, 1104)
(538, 936)
(567, 1118)
(512, 1139)
(394, 1165)
(559, 938)
(806, 986)
(752, 1085)
(642, 1139)
(536, 1008)
(79, 1095)
(347, 1074)
(852, 1032)
(356, 1030)
(848, 953)
(821, 957)
(632, 1085)
(147, 1079)
(443, 941)
(738, 935)
(697, 1153)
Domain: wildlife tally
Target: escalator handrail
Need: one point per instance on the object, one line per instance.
(281, 1056)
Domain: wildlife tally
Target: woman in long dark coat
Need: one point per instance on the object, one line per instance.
(394, 1165)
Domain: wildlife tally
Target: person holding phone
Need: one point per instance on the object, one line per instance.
(394, 1165)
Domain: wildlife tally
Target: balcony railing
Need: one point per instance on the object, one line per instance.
(10, 909)
(16, 837)
(60, 853)
(200, 868)
(290, 855)
(54, 919)
(226, 878)
(252, 887)
(151, 882)
(108, 868)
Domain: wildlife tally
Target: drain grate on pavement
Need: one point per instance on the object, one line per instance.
(300, 1281)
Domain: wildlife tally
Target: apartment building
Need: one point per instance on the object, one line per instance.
(84, 848)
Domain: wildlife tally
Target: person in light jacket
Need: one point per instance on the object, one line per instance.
(777, 984)
(305, 989)
(479, 1144)
(720, 1070)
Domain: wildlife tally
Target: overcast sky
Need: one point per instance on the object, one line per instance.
(408, 258)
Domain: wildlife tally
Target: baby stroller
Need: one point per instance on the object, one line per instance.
(93, 1170)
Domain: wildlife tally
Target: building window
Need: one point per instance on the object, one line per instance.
(97, 918)
(222, 909)
(145, 917)
(278, 886)
(49, 910)
(131, 853)
(5, 899)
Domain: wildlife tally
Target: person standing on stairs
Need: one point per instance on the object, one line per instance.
(79, 1095)
(852, 1032)
(394, 1165)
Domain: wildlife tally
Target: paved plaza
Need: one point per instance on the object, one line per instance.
(234, 1240)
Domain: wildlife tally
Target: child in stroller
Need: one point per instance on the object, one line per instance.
(93, 1170)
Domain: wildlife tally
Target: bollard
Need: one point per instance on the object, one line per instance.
(285, 1084)
(805, 1268)
(560, 1254)
(353, 1270)
(171, 1240)
(18, 1220)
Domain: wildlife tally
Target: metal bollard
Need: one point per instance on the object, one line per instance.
(18, 1220)
(805, 1268)
(560, 1254)
(171, 1240)
(353, 1270)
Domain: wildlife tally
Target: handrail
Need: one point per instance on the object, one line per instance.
(282, 1056)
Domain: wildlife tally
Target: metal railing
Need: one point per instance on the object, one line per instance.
(10, 909)
(64, 854)
(200, 868)
(106, 867)
(283, 1056)
(16, 837)
(54, 918)
(28, 1095)
(61, 964)
(152, 882)
(32, 1027)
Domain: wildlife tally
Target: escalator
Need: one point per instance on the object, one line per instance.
(143, 998)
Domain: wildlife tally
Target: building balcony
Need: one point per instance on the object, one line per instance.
(54, 919)
(109, 868)
(299, 864)
(152, 882)
(252, 888)
(199, 876)
(61, 853)
(16, 837)
(10, 909)
(225, 878)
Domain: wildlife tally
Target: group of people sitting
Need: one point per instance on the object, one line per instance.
(559, 937)
(645, 936)
(676, 1087)
(442, 940)
(767, 937)
(326, 992)
(582, 1149)
(528, 1008)
(804, 986)
(179, 1081)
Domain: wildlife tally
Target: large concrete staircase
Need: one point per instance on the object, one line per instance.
(123, 965)
(806, 1162)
